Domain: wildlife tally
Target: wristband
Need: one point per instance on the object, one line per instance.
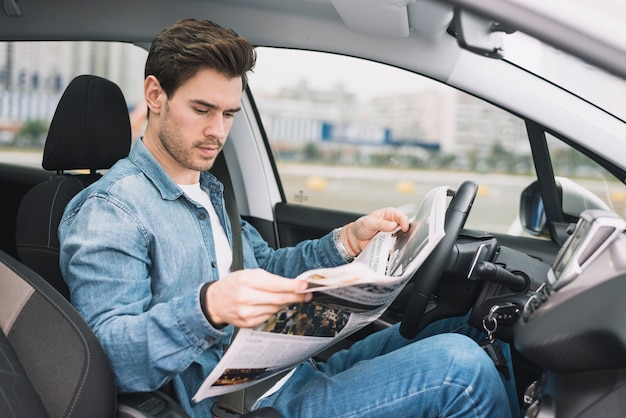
(355, 252)
(205, 308)
(341, 249)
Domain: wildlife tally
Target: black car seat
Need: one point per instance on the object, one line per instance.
(90, 131)
(51, 363)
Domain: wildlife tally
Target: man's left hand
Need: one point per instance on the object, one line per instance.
(356, 235)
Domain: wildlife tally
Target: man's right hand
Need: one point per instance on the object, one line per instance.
(247, 298)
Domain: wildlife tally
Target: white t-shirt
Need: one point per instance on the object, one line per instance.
(223, 252)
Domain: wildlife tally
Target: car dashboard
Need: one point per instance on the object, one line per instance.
(569, 318)
(573, 325)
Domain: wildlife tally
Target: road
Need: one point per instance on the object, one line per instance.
(364, 190)
(495, 209)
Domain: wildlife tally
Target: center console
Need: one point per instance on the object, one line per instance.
(574, 325)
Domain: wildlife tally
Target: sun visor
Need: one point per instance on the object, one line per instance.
(383, 18)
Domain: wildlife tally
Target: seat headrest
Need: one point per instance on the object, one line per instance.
(90, 128)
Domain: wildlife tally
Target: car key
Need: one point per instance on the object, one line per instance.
(492, 346)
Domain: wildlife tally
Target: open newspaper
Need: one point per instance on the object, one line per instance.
(346, 298)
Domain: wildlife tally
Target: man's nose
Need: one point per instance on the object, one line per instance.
(215, 127)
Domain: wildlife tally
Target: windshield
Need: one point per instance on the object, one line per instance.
(570, 73)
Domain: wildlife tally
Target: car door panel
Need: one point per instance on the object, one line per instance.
(295, 223)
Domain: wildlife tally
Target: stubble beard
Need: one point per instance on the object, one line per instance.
(186, 155)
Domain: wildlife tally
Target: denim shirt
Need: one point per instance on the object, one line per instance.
(135, 251)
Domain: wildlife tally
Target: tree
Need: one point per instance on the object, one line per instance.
(32, 134)
(311, 152)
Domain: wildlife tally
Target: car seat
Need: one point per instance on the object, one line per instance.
(51, 363)
(90, 130)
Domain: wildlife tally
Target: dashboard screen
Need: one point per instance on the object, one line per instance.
(594, 232)
(569, 248)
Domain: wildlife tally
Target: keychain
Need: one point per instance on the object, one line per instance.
(492, 346)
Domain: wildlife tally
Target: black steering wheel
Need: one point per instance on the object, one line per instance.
(431, 271)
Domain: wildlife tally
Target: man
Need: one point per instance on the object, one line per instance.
(143, 248)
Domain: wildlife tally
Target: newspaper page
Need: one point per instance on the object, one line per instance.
(345, 299)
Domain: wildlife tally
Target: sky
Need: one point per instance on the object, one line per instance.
(274, 71)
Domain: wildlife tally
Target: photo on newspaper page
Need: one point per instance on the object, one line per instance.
(345, 299)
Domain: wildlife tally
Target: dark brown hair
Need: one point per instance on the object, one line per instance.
(180, 50)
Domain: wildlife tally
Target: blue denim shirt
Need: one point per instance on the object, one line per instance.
(135, 251)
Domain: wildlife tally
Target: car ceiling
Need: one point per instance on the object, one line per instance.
(387, 30)
(141, 19)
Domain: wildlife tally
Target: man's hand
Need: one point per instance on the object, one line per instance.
(356, 235)
(247, 298)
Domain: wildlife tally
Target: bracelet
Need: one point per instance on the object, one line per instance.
(355, 252)
(341, 249)
(205, 308)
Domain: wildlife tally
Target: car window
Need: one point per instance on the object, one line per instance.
(354, 135)
(33, 75)
(574, 166)
(606, 91)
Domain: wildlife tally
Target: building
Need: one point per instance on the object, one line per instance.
(34, 74)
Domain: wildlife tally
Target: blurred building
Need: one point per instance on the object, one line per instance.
(446, 120)
(34, 74)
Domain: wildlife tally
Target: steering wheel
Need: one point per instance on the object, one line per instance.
(431, 271)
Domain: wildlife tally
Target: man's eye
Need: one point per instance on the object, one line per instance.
(201, 111)
(229, 115)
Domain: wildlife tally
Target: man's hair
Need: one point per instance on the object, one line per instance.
(184, 48)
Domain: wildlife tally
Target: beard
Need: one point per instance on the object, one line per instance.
(184, 152)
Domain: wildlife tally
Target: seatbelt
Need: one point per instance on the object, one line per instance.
(220, 171)
(238, 402)
(232, 402)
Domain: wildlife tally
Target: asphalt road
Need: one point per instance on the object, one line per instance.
(364, 190)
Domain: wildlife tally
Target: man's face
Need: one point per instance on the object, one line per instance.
(196, 119)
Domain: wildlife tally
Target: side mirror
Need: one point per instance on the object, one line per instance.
(479, 35)
(532, 215)
(574, 200)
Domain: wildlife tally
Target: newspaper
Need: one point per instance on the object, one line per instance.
(345, 299)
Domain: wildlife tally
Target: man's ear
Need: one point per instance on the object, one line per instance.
(153, 94)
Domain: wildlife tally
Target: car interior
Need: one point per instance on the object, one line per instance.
(554, 281)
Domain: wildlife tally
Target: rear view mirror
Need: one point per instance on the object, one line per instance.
(574, 200)
(479, 35)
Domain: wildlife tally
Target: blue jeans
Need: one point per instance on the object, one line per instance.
(441, 373)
